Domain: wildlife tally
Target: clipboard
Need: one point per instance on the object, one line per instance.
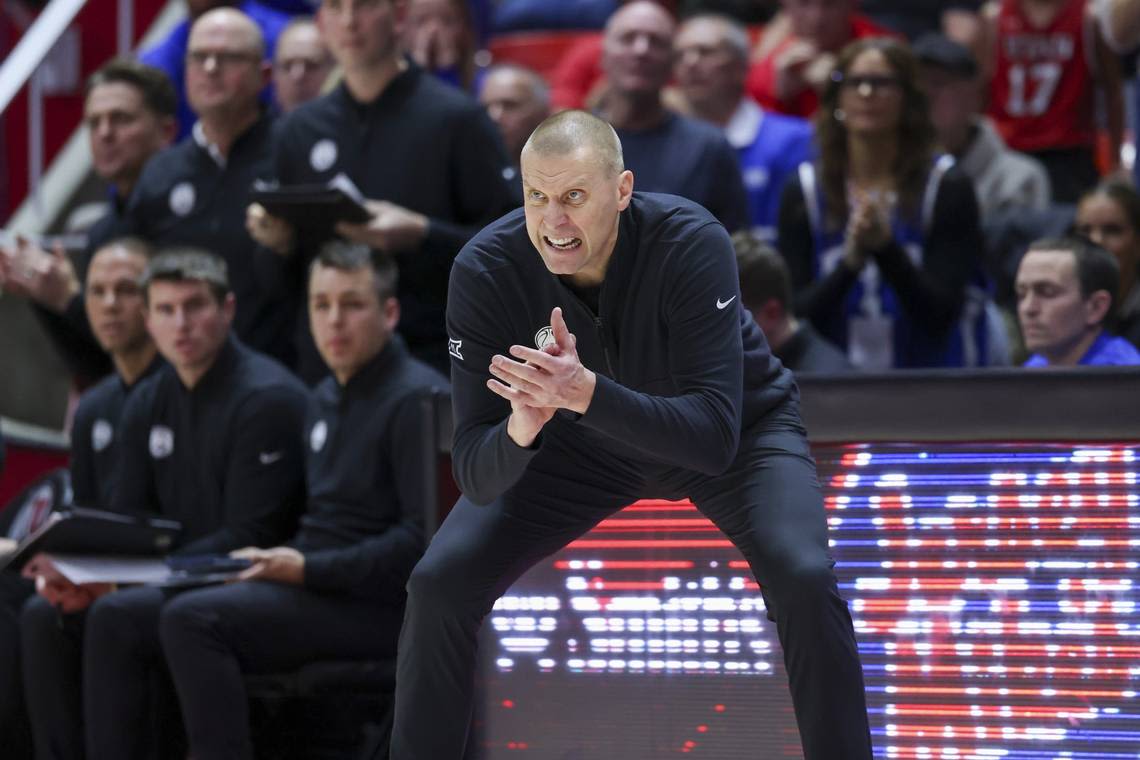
(79, 530)
(314, 207)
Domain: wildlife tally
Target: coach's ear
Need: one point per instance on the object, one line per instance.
(625, 189)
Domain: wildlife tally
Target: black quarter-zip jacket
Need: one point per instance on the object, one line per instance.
(420, 144)
(95, 438)
(362, 531)
(223, 458)
(184, 197)
(681, 367)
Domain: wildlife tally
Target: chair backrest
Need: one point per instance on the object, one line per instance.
(31, 507)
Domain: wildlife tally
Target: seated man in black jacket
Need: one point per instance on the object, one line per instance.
(336, 590)
(114, 309)
(211, 440)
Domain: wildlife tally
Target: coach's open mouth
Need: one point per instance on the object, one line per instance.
(562, 244)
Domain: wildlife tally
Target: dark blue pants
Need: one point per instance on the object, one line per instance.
(768, 503)
(93, 680)
(15, 735)
(212, 636)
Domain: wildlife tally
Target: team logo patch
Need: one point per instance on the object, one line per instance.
(544, 338)
(161, 441)
(453, 347)
(182, 198)
(101, 435)
(323, 155)
(318, 435)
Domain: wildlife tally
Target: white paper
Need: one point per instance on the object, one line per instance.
(88, 568)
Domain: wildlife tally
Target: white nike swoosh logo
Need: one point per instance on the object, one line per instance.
(269, 457)
(722, 304)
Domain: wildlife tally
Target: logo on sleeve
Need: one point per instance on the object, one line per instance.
(453, 347)
(182, 199)
(269, 457)
(323, 155)
(544, 338)
(161, 441)
(101, 434)
(722, 305)
(318, 435)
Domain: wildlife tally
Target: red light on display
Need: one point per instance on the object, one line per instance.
(992, 587)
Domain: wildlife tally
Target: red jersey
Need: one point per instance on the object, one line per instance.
(761, 82)
(1042, 91)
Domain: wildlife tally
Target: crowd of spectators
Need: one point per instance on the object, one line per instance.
(883, 167)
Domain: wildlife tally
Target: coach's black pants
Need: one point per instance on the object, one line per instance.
(212, 636)
(15, 736)
(92, 679)
(769, 505)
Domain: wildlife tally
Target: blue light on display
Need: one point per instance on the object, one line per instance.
(993, 589)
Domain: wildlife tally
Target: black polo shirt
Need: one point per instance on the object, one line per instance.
(223, 458)
(185, 197)
(422, 145)
(362, 532)
(95, 438)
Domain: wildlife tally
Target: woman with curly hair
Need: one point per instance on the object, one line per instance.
(881, 235)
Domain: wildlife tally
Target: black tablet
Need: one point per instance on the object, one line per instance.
(92, 531)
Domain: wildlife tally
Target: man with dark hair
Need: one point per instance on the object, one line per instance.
(115, 310)
(766, 291)
(648, 379)
(195, 194)
(114, 307)
(212, 440)
(669, 153)
(425, 156)
(129, 114)
(1065, 289)
(336, 589)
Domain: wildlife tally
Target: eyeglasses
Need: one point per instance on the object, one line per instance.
(306, 65)
(222, 58)
(867, 84)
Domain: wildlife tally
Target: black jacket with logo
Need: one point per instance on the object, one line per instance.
(362, 531)
(422, 145)
(95, 438)
(184, 197)
(224, 458)
(682, 368)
